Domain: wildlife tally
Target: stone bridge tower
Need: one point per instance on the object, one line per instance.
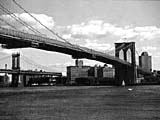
(15, 67)
(123, 72)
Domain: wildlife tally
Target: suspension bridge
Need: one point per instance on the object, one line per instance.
(13, 38)
(32, 68)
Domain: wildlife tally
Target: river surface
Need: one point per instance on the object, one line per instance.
(80, 103)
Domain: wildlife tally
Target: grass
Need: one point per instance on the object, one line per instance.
(80, 103)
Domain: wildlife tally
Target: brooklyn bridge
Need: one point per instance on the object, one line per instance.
(124, 71)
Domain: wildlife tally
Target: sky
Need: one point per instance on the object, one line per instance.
(96, 24)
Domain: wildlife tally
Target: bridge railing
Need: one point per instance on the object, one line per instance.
(26, 36)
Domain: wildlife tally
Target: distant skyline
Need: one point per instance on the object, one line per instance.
(96, 24)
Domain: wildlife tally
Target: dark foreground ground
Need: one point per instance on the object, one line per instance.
(80, 103)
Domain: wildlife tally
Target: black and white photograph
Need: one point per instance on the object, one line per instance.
(79, 59)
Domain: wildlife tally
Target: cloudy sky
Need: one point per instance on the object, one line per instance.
(95, 24)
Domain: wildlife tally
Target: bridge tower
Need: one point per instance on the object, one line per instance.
(15, 67)
(123, 72)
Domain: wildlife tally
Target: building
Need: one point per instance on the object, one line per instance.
(88, 75)
(106, 75)
(77, 71)
(108, 72)
(74, 72)
(103, 72)
(145, 61)
(4, 80)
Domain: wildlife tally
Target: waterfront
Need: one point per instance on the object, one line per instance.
(80, 103)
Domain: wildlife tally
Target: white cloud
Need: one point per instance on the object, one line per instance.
(45, 19)
(61, 64)
(97, 46)
(10, 51)
(92, 27)
(67, 36)
(151, 48)
(99, 27)
(147, 32)
(157, 56)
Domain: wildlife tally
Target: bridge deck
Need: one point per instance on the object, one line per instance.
(28, 72)
(9, 36)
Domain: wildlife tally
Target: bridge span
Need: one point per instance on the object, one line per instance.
(17, 39)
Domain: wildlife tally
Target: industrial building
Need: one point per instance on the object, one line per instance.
(76, 71)
(106, 72)
(88, 75)
(104, 75)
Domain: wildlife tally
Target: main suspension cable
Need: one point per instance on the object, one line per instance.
(5, 10)
(54, 33)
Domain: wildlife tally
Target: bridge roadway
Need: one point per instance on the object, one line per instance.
(29, 72)
(17, 39)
